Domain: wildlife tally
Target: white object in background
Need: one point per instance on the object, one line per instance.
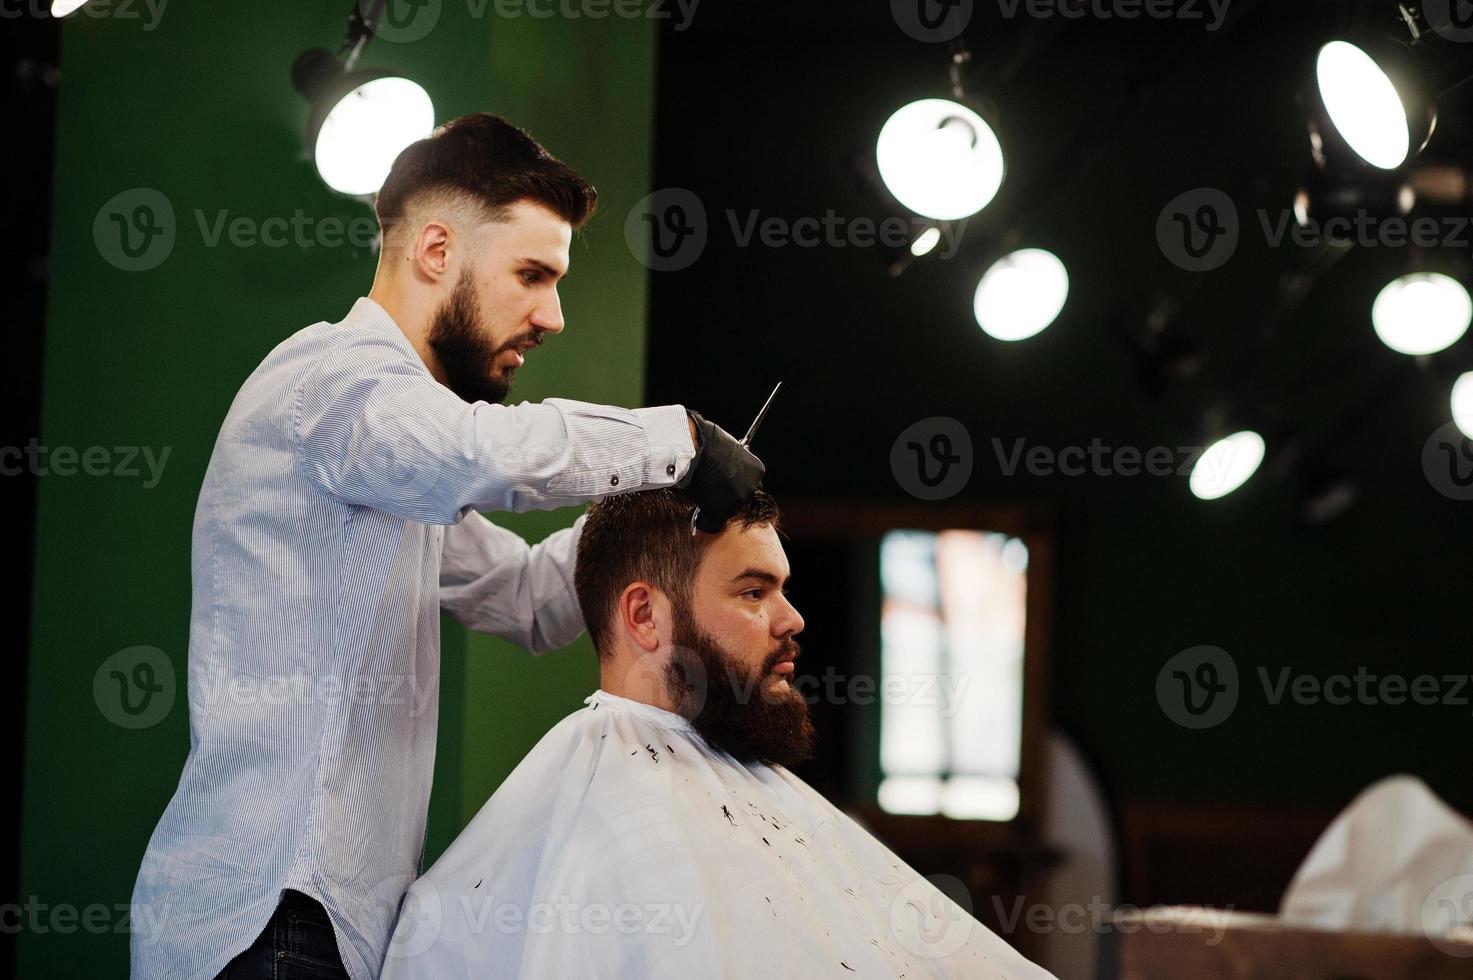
(1397, 860)
(1421, 313)
(1076, 821)
(1363, 104)
(1462, 403)
(366, 130)
(940, 159)
(1226, 465)
(1020, 294)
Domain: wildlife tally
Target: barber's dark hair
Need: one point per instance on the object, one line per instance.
(488, 160)
(645, 537)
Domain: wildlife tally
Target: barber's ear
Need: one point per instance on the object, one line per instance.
(432, 250)
(644, 612)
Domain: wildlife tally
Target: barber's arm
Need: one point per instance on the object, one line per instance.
(494, 582)
(373, 429)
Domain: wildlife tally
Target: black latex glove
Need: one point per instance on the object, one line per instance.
(723, 475)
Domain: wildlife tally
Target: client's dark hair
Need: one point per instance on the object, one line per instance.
(488, 161)
(645, 537)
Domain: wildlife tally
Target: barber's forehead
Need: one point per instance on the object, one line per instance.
(529, 218)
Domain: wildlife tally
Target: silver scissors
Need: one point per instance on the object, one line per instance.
(745, 443)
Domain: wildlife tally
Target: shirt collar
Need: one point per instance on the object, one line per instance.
(368, 313)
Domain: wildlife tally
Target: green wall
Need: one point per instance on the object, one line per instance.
(197, 104)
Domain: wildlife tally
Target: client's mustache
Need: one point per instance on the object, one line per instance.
(788, 646)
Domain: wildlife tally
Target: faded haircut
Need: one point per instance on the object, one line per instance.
(645, 537)
(483, 164)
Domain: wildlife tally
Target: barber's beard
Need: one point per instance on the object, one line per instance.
(736, 711)
(465, 350)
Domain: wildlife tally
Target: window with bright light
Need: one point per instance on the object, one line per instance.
(951, 655)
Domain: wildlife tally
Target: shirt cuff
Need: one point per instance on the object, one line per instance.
(670, 446)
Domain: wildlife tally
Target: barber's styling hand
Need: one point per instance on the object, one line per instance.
(723, 475)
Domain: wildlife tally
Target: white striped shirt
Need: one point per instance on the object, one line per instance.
(337, 516)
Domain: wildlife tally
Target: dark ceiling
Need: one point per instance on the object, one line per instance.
(773, 109)
(767, 107)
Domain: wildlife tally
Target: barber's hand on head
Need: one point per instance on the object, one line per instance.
(723, 475)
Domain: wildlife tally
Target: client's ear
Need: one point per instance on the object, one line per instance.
(644, 613)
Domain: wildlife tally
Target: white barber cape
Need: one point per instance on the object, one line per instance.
(624, 846)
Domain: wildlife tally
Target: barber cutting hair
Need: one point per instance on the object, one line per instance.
(338, 516)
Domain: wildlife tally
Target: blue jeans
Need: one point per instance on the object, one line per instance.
(298, 942)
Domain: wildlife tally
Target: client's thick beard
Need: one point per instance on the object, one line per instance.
(738, 714)
(465, 353)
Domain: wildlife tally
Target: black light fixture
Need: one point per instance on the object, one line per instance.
(1335, 198)
(1326, 494)
(361, 118)
(1162, 352)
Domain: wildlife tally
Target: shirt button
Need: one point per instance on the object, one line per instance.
(614, 480)
(670, 470)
